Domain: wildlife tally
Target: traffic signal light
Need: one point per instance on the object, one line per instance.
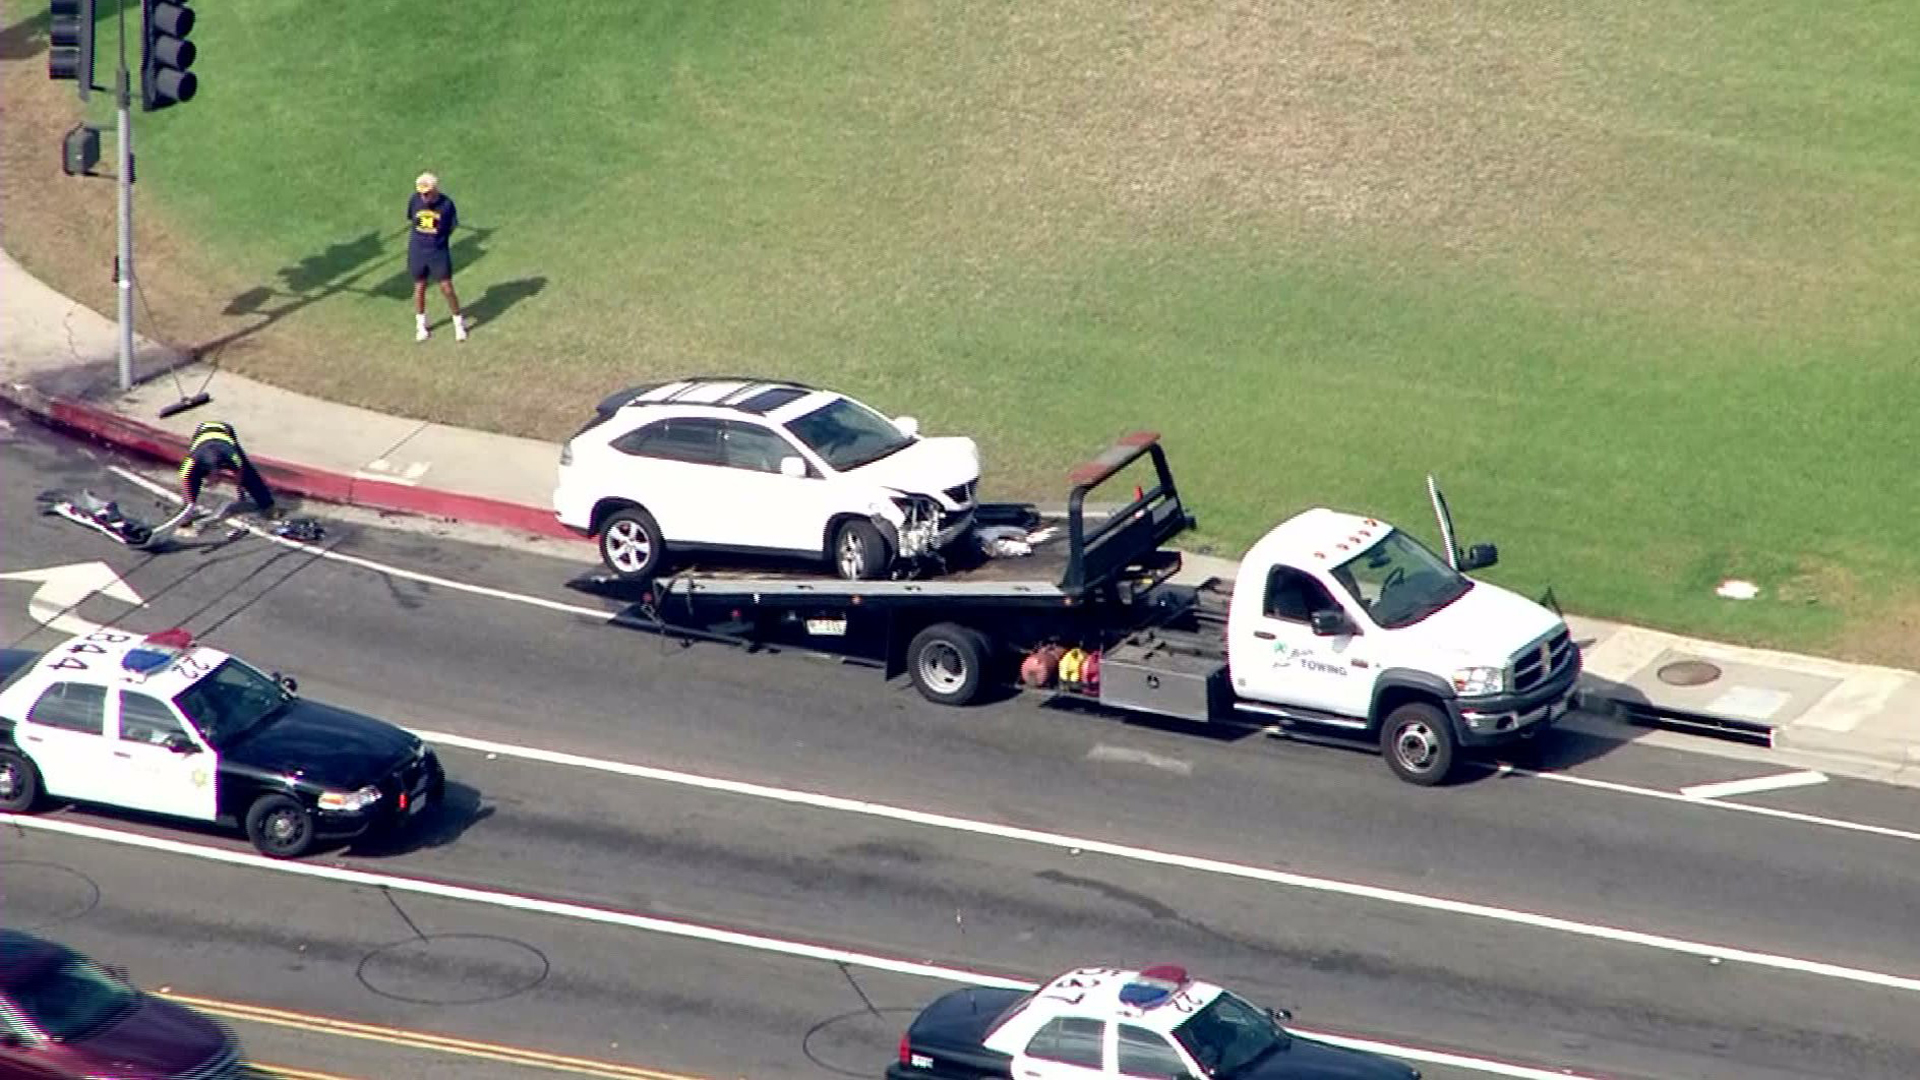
(71, 32)
(166, 54)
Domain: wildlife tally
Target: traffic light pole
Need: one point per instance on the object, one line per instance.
(123, 264)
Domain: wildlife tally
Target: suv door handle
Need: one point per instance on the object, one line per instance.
(121, 753)
(1263, 635)
(35, 738)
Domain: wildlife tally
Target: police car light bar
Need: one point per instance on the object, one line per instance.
(1154, 986)
(156, 651)
(177, 638)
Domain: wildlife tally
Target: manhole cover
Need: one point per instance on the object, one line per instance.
(1688, 673)
(44, 894)
(453, 969)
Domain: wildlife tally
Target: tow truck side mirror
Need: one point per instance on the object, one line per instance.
(1330, 623)
(1479, 557)
(180, 744)
(907, 425)
(794, 467)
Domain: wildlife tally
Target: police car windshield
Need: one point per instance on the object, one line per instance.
(848, 434)
(1400, 582)
(1229, 1035)
(71, 999)
(230, 701)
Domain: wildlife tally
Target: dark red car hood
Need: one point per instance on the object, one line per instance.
(157, 1038)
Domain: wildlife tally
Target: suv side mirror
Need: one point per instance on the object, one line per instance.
(1479, 557)
(793, 466)
(180, 744)
(908, 425)
(1328, 622)
(287, 683)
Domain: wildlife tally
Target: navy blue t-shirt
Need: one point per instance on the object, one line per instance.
(432, 220)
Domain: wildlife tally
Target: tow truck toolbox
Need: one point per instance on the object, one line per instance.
(1336, 627)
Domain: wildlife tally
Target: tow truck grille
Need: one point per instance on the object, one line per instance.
(1542, 661)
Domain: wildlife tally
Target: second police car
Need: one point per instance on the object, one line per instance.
(164, 725)
(1156, 1024)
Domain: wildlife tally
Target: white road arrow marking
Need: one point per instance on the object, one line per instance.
(63, 587)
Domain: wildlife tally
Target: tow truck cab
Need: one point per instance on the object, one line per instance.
(1344, 625)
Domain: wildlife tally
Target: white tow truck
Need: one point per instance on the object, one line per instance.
(1336, 626)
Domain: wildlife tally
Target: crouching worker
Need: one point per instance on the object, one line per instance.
(215, 449)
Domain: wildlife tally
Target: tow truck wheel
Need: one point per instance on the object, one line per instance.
(947, 663)
(19, 783)
(1418, 743)
(279, 827)
(631, 544)
(859, 551)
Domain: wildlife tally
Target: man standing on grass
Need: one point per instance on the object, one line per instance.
(431, 219)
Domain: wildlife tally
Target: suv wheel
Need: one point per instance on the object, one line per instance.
(860, 553)
(631, 544)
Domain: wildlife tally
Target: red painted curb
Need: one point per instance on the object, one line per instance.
(303, 480)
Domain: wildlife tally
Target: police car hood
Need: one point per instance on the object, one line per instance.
(323, 745)
(1305, 1059)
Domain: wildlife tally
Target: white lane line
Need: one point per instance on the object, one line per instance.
(696, 931)
(1221, 867)
(605, 616)
(379, 567)
(1728, 789)
(1742, 808)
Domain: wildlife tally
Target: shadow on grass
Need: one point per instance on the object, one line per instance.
(340, 268)
(503, 295)
(27, 38)
(470, 248)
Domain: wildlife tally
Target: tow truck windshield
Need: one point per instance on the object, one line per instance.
(848, 435)
(1400, 582)
(1229, 1035)
(230, 701)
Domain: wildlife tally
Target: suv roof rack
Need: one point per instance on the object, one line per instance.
(750, 387)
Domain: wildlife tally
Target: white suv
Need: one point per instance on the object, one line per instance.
(744, 466)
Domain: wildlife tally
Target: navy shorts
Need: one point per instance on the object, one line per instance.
(433, 264)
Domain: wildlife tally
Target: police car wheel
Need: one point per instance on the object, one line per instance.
(279, 827)
(1418, 744)
(19, 783)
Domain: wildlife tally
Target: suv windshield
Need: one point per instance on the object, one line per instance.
(1229, 1035)
(1399, 581)
(230, 701)
(847, 434)
(72, 999)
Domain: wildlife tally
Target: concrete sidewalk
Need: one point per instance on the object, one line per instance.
(58, 362)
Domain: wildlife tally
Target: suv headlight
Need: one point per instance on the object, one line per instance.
(350, 801)
(1479, 681)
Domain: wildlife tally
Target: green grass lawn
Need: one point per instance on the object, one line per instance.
(1636, 281)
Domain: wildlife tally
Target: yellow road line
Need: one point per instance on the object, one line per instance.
(420, 1040)
(282, 1072)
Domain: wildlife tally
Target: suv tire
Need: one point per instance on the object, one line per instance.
(631, 545)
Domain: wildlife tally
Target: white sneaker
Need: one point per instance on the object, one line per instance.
(459, 328)
(421, 333)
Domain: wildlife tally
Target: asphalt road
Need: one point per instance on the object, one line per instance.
(1502, 984)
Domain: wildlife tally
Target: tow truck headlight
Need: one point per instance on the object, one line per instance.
(351, 802)
(1479, 681)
